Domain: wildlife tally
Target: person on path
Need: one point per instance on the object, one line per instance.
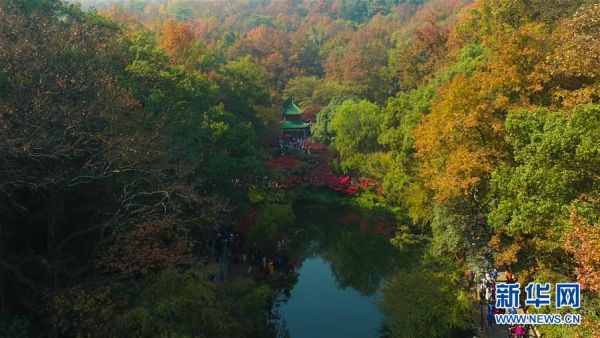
(495, 274)
(482, 292)
(520, 331)
(490, 318)
(488, 279)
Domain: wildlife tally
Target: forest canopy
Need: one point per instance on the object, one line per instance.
(129, 129)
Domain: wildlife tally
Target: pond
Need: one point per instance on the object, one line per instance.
(345, 255)
(318, 307)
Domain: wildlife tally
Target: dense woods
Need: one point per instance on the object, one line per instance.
(130, 129)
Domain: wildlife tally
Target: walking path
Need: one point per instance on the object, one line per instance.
(496, 331)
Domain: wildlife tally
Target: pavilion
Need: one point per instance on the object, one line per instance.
(293, 125)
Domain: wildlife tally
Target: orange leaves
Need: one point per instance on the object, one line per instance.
(457, 141)
(202, 27)
(515, 63)
(423, 48)
(271, 48)
(118, 14)
(464, 169)
(572, 69)
(462, 139)
(179, 41)
(578, 50)
(176, 36)
(584, 244)
(147, 248)
(359, 55)
(508, 256)
(363, 57)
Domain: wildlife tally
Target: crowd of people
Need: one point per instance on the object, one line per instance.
(228, 249)
(288, 145)
(487, 296)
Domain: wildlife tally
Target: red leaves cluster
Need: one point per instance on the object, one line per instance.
(352, 190)
(316, 178)
(320, 174)
(318, 148)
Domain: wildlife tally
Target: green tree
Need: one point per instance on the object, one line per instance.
(242, 87)
(556, 168)
(321, 130)
(301, 89)
(355, 126)
(272, 224)
(188, 304)
(434, 307)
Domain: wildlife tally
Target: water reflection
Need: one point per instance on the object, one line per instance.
(345, 257)
(319, 308)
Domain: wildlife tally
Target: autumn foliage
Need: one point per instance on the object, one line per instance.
(148, 248)
(128, 135)
(584, 245)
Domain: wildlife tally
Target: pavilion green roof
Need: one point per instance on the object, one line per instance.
(292, 109)
(286, 125)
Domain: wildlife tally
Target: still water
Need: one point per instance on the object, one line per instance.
(345, 257)
(318, 307)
